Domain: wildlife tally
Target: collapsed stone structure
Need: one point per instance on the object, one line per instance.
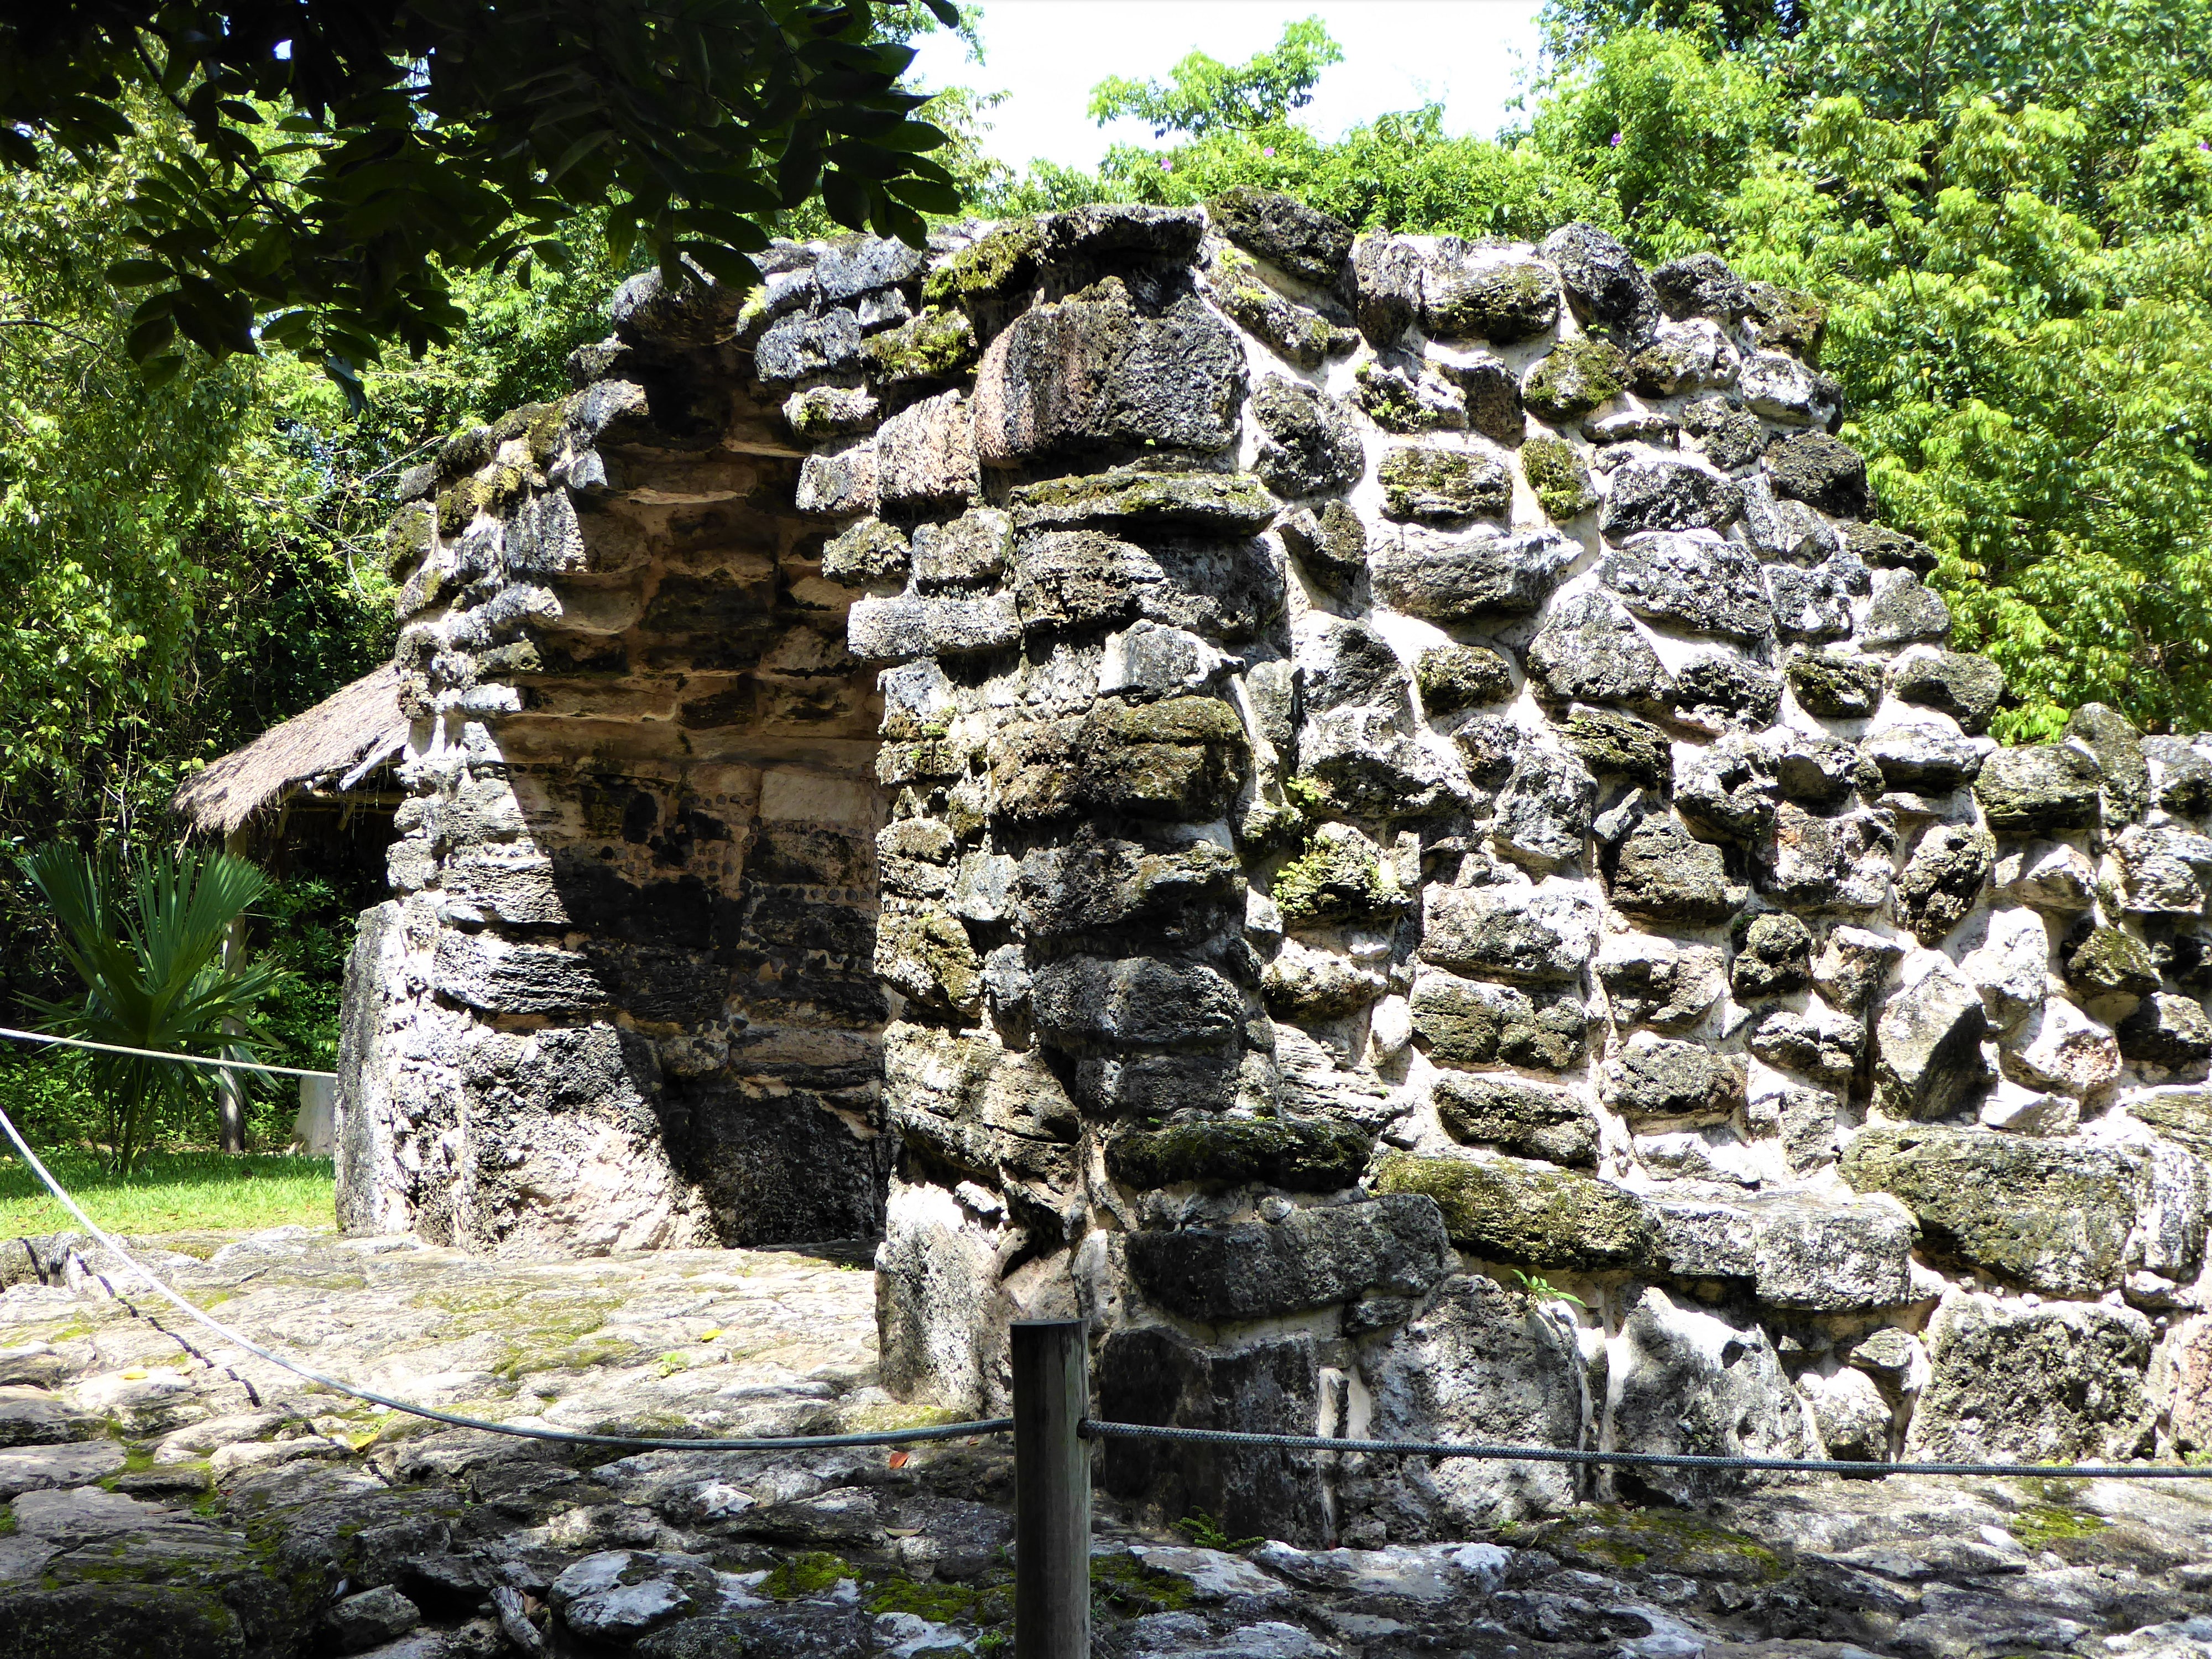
(1374, 816)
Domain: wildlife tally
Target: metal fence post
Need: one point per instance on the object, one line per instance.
(1052, 1490)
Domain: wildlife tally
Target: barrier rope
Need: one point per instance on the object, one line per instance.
(160, 1054)
(455, 1420)
(1093, 1429)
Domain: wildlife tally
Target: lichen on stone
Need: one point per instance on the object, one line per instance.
(1337, 878)
(1558, 476)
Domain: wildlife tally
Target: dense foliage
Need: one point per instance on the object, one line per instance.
(337, 161)
(146, 940)
(2005, 217)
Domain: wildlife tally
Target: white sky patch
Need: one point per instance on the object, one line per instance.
(1472, 56)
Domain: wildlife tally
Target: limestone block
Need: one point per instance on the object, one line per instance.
(2051, 1216)
(1691, 581)
(1466, 1024)
(1662, 494)
(1330, 545)
(1611, 743)
(1728, 788)
(1147, 661)
(1458, 677)
(1943, 878)
(808, 343)
(2011, 967)
(923, 952)
(1967, 687)
(2165, 870)
(1575, 377)
(2107, 963)
(1302, 241)
(1690, 356)
(926, 454)
(1479, 573)
(1815, 604)
(1097, 371)
(1780, 387)
(1827, 864)
(1853, 965)
(1818, 1044)
(2167, 1031)
(1531, 935)
(1473, 292)
(2062, 1048)
(1528, 1119)
(1588, 651)
(1660, 872)
(1294, 1154)
(1087, 1002)
(2046, 875)
(2180, 775)
(1653, 980)
(1542, 816)
(1684, 1380)
(1308, 444)
(1304, 983)
(1503, 1210)
(1821, 472)
(909, 626)
(2057, 1384)
(1928, 1043)
(2036, 791)
(1855, 1422)
(1313, 1258)
(1902, 611)
(839, 482)
(1834, 683)
(482, 972)
(1152, 1374)
(1484, 1364)
(1774, 956)
(1603, 282)
(1650, 1078)
(1222, 503)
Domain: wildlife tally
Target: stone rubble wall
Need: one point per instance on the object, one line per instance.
(1433, 872)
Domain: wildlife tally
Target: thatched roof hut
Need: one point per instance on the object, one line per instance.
(328, 760)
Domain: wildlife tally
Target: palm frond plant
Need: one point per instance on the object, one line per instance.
(147, 939)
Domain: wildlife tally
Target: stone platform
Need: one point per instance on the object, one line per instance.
(170, 1499)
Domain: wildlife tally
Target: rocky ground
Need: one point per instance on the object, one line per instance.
(170, 1499)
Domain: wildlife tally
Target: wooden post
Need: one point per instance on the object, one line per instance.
(1052, 1490)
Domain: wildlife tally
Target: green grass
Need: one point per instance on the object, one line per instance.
(171, 1192)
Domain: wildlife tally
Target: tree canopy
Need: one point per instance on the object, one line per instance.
(2007, 212)
(340, 160)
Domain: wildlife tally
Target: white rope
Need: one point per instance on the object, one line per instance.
(524, 1431)
(158, 1054)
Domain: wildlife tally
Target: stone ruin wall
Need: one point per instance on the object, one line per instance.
(1404, 782)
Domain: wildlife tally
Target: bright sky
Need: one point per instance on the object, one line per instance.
(1470, 55)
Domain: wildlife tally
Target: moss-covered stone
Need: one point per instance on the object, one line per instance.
(1558, 476)
(1608, 1538)
(1293, 1153)
(1526, 1214)
(989, 267)
(1611, 743)
(1463, 1023)
(1181, 758)
(408, 537)
(1575, 377)
(1442, 486)
(1296, 333)
(1835, 684)
(1456, 677)
(2110, 963)
(1232, 502)
(1337, 879)
(866, 554)
(461, 503)
(2051, 1216)
(1501, 301)
(936, 345)
(810, 1574)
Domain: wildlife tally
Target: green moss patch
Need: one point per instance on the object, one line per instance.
(1558, 476)
(1293, 1153)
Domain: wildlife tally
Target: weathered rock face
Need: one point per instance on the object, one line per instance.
(1066, 756)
